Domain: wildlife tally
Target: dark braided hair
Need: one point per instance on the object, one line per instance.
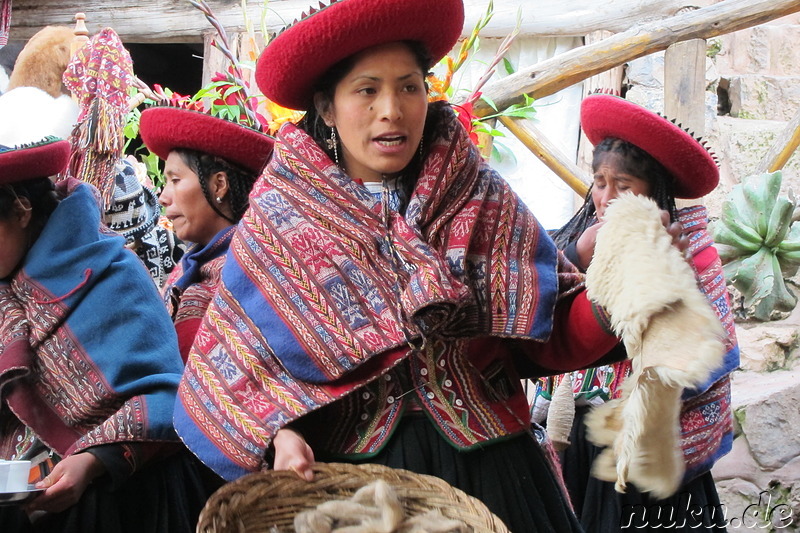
(313, 123)
(40, 193)
(634, 161)
(240, 180)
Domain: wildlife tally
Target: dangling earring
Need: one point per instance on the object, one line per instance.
(334, 145)
(421, 139)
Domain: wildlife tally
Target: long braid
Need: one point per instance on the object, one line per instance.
(240, 187)
(577, 224)
(240, 181)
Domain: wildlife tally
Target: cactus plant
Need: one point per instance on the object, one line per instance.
(760, 245)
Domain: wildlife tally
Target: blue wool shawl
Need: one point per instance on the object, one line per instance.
(88, 354)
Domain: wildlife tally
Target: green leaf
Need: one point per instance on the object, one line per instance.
(501, 152)
(205, 92)
(508, 66)
(489, 101)
(231, 90)
(131, 130)
(153, 165)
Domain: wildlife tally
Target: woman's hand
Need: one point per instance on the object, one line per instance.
(293, 453)
(585, 244)
(66, 483)
(675, 229)
(584, 247)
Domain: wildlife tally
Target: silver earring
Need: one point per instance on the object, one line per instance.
(219, 200)
(334, 145)
(420, 145)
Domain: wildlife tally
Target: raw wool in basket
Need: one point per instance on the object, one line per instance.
(672, 336)
(374, 508)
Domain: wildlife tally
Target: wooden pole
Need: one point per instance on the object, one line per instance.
(548, 153)
(81, 34)
(569, 68)
(685, 90)
(782, 149)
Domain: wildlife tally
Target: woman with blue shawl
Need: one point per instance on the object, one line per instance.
(210, 166)
(89, 363)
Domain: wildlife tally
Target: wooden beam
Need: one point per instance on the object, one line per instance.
(782, 149)
(685, 91)
(148, 21)
(685, 84)
(569, 68)
(548, 153)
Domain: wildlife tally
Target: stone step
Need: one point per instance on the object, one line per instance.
(762, 97)
(741, 144)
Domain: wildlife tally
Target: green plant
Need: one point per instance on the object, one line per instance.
(441, 87)
(714, 47)
(759, 245)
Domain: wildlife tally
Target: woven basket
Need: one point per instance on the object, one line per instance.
(256, 502)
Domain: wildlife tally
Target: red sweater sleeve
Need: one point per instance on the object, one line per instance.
(581, 335)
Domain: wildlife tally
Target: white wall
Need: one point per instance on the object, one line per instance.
(557, 116)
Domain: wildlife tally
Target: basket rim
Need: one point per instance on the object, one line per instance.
(277, 495)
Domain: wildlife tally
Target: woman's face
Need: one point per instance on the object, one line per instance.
(379, 110)
(14, 237)
(192, 217)
(610, 180)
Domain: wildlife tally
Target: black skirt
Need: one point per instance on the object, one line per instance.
(512, 477)
(695, 507)
(166, 496)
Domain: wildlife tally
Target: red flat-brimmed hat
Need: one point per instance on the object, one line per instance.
(290, 64)
(693, 167)
(163, 129)
(41, 159)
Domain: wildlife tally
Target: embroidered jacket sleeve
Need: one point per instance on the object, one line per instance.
(581, 338)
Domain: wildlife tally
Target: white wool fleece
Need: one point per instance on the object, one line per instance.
(673, 339)
(28, 114)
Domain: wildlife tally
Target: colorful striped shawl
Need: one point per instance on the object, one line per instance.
(193, 284)
(88, 355)
(307, 309)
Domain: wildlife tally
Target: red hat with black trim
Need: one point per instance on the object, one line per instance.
(685, 157)
(292, 62)
(164, 128)
(40, 159)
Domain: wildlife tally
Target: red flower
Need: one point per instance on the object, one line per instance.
(467, 119)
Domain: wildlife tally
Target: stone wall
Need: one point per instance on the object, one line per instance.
(753, 90)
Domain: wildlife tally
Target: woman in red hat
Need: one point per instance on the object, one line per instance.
(386, 288)
(640, 152)
(89, 364)
(210, 166)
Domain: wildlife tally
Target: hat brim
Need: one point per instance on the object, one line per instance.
(38, 160)
(163, 129)
(290, 65)
(694, 169)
